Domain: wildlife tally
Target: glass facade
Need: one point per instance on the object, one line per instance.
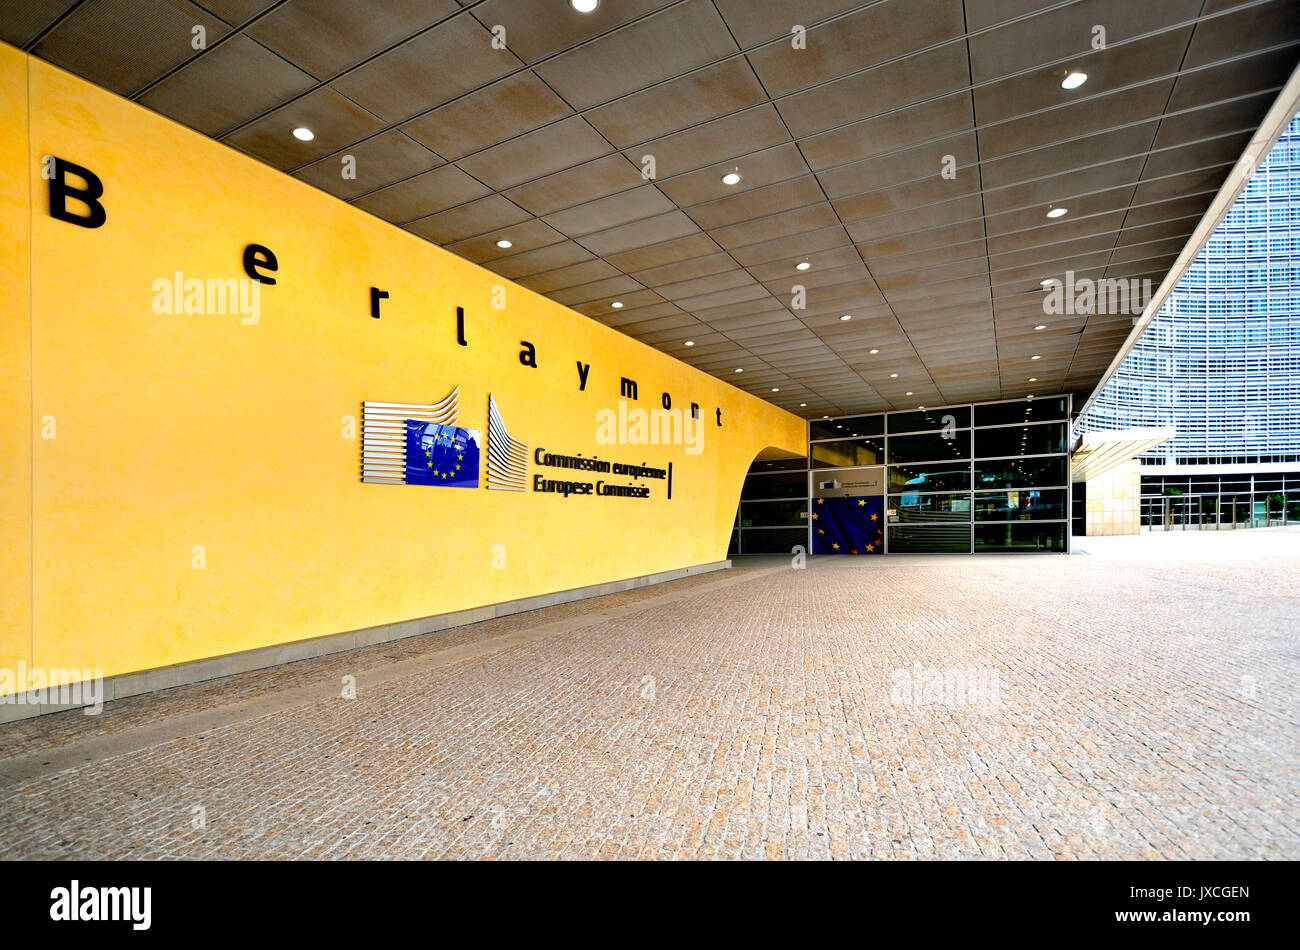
(1220, 502)
(772, 517)
(1220, 362)
(992, 477)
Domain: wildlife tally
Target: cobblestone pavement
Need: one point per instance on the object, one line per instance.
(1135, 702)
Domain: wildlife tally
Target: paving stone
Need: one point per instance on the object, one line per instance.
(1143, 707)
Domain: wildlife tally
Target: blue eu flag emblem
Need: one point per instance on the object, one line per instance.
(854, 525)
(441, 455)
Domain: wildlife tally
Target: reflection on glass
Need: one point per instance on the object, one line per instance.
(929, 448)
(779, 465)
(1021, 473)
(943, 477)
(1021, 536)
(1032, 410)
(1029, 504)
(851, 428)
(849, 452)
(927, 419)
(929, 538)
(778, 485)
(771, 540)
(1020, 440)
(910, 507)
(767, 514)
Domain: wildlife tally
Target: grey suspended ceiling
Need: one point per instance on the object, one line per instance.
(840, 145)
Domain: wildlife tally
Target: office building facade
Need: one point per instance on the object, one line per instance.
(1220, 364)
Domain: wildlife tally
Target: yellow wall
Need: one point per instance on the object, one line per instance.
(15, 367)
(175, 431)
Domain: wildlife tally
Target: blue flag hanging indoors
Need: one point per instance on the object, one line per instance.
(441, 455)
(851, 525)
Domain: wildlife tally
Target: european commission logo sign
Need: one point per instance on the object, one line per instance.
(441, 455)
(415, 444)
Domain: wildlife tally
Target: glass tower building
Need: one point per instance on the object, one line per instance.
(1220, 364)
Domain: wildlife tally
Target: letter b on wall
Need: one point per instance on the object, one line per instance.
(61, 191)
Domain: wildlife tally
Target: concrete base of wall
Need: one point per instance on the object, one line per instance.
(182, 674)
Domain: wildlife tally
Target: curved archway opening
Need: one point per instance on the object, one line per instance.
(772, 505)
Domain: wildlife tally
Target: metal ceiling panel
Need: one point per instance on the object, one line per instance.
(335, 120)
(427, 70)
(374, 163)
(502, 110)
(237, 81)
(123, 45)
(325, 37)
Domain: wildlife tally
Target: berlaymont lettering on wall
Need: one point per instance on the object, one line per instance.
(410, 443)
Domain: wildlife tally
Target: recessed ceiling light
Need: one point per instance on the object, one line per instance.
(907, 393)
(847, 316)
(1041, 326)
(873, 352)
(1030, 396)
(740, 369)
(1074, 80)
(1035, 357)
(1033, 379)
(802, 265)
(503, 243)
(731, 177)
(1056, 212)
(1046, 282)
(303, 134)
(920, 407)
(690, 343)
(584, 6)
(617, 305)
(776, 389)
(825, 417)
(893, 376)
